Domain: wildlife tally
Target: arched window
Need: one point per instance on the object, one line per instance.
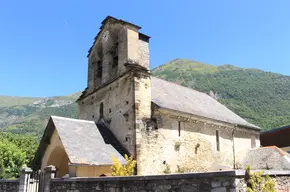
(99, 68)
(101, 110)
(253, 142)
(115, 55)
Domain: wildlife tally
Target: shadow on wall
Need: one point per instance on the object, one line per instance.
(59, 159)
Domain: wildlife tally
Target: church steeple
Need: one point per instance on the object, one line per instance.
(118, 92)
(117, 48)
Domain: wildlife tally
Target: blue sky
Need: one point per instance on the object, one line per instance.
(43, 44)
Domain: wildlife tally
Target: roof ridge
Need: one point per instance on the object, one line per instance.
(72, 119)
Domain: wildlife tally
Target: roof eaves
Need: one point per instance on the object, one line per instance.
(44, 142)
(95, 164)
(144, 37)
(248, 126)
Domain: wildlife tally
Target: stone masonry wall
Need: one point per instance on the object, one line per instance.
(9, 185)
(118, 109)
(282, 183)
(229, 181)
(201, 182)
(193, 148)
(144, 55)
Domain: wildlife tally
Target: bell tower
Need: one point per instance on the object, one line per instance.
(118, 89)
(117, 48)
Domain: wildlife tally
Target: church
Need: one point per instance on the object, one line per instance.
(166, 127)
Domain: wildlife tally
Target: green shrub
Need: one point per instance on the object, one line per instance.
(11, 161)
(256, 182)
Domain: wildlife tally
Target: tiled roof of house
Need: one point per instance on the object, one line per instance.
(85, 142)
(172, 96)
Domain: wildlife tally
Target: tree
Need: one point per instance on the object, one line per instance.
(125, 170)
(26, 143)
(11, 161)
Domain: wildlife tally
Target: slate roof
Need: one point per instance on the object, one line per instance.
(270, 157)
(83, 141)
(172, 96)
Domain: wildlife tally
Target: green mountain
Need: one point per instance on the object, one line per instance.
(262, 98)
(30, 115)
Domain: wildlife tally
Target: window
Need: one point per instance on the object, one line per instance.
(253, 142)
(179, 128)
(217, 135)
(115, 61)
(101, 110)
(97, 66)
(99, 69)
(115, 54)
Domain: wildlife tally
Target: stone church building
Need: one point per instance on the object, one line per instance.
(166, 127)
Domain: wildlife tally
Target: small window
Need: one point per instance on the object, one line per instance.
(101, 110)
(115, 61)
(253, 142)
(179, 128)
(217, 135)
(100, 69)
(115, 55)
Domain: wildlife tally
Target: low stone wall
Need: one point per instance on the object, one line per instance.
(282, 179)
(217, 181)
(9, 185)
(230, 181)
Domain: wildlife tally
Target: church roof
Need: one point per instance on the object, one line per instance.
(85, 142)
(175, 97)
